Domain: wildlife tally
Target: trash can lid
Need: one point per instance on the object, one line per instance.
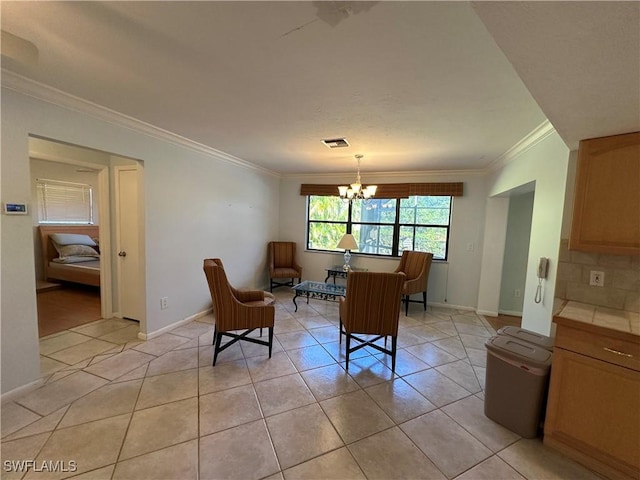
(519, 351)
(527, 336)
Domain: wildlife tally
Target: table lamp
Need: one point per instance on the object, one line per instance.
(348, 243)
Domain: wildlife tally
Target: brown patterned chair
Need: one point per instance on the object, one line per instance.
(371, 307)
(416, 266)
(282, 264)
(237, 309)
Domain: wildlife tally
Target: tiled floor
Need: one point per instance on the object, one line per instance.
(125, 409)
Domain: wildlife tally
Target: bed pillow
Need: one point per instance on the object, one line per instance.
(65, 251)
(71, 239)
(74, 259)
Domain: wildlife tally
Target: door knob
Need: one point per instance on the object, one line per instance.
(122, 254)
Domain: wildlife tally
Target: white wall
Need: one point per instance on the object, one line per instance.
(516, 253)
(453, 283)
(546, 165)
(196, 206)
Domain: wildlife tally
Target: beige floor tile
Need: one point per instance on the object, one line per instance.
(473, 341)
(45, 424)
(478, 330)
(481, 375)
(193, 330)
(301, 434)
(390, 454)
(406, 363)
(406, 338)
(231, 354)
(14, 417)
(256, 350)
(314, 322)
(91, 445)
(448, 445)
(161, 345)
(330, 381)
(310, 357)
(326, 334)
(193, 343)
(438, 389)
(59, 342)
(264, 368)
(223, 376)
(101, 327)
(338, 351)
(462, 373)
(355, 415)
(53, 396)
(82, 351)
(469, 413)
(283, 393)
(119, 364)
(168, 387)
(493, 468)
(428, 333)
(122, 335)
(336, 465)
(399, 400)
(367, 371)
(228, 408)
(467, 319)
(107, 401)
(174, 361)
(160, 427)
(176, 462)
(243, 452)
(478, 358)
(446, 327)
(293, 340)
(17, 450)
(431, 355)
(287, 325)
(136, 374)
(533, 460)
(451, 345)
(49, 365)
(103, 473)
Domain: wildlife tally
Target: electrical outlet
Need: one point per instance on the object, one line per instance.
(164, 303)
(470, 247)
(517, 293)
(596, 279)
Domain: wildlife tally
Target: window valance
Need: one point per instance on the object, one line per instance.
(391, 190)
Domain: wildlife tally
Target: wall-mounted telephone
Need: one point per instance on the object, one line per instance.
(543, 267)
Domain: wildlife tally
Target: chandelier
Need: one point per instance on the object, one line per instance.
(357, 191)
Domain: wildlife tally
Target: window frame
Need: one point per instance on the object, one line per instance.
(396, 251)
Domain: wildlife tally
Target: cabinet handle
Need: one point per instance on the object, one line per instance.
(618, 352)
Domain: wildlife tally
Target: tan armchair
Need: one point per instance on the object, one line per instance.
(416, 266)
(283, 264)
(371, 307)
(237, 309)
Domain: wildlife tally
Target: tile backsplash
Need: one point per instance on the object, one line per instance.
(621, 289)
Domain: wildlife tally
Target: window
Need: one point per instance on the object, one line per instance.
(64, 202)
(381, 226)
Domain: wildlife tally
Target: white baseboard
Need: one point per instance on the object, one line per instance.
(487, 313)
(168, 328)
(18, 392)
(449, 305)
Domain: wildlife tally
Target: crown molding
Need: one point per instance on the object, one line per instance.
(538, 134)
(385, 175)
(41, 91)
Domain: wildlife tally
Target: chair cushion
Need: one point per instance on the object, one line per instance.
(285, 272)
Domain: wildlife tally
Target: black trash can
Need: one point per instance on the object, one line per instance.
(517, 380)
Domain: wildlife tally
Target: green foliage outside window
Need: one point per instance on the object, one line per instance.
(381, 226)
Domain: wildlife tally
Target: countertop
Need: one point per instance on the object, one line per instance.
(621, 320)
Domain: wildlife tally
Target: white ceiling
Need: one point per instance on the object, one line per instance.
(411, 85)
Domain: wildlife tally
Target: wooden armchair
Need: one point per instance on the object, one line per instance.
(283, 264)
(416, 266)
(371, 307)
(237, 309)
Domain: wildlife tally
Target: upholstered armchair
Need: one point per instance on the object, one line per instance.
(283, 264)
(416, 266)
(237, 309)
(371, 307)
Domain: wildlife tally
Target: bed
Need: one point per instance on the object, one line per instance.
(84, 272)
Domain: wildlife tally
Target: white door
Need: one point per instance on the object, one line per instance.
(130, 298)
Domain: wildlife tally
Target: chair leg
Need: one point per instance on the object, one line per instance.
(348, 345)
(406, 303)
(270, 339)
(340, 331)
(213, 340)
(424, 300)
(393, 353)
(216, 347)
(260, 331)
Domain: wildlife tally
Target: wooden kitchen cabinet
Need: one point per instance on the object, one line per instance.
(606, 212)
(593, 410)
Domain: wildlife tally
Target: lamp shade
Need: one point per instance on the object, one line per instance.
(347, 242)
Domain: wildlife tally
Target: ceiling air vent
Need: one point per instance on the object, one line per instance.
(336, 142)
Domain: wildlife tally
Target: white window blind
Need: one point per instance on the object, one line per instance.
(64, 202)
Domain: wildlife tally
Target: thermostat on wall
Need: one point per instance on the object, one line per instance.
(15, 209)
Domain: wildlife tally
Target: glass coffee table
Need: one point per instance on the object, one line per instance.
(338, 271)
(319, 290)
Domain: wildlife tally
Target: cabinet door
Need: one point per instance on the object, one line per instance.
(606, 214)
(594, 408)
